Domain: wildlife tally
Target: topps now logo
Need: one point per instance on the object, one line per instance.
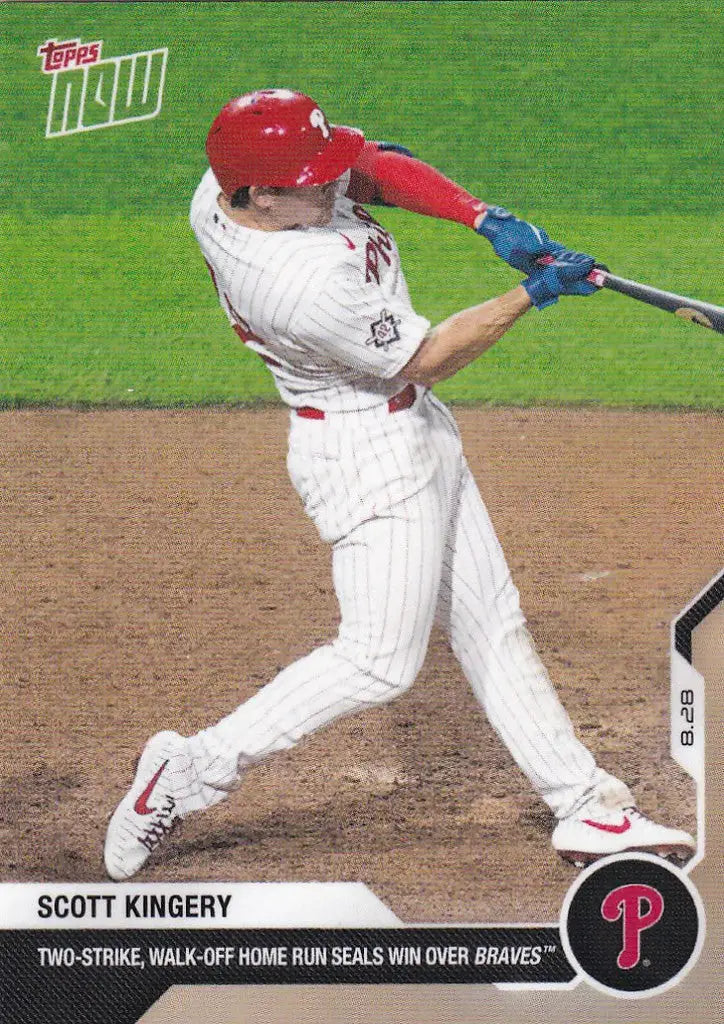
(632, 925)
(88, 92)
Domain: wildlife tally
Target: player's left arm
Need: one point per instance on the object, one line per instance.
(389, 174)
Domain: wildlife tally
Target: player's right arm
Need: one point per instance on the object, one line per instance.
(379, 334)
(464, 336)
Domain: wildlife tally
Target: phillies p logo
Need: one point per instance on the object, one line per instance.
(632, 924)
(628, 902)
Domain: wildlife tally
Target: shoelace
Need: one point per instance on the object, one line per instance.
(634, 813)
(160, 828)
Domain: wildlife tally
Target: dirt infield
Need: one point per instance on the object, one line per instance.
(157, 569)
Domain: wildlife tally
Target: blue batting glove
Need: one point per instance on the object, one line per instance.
(516, 241)
(565, 276)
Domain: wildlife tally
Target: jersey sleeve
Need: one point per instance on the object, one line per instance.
(354, 323)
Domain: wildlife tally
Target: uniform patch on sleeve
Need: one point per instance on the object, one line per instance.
(384, 331)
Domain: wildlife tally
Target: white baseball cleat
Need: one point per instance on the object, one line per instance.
(588, 835)
(148, 813)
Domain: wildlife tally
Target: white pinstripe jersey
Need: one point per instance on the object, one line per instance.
(327, 308)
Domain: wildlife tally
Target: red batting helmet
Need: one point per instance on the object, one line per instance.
(278, 137)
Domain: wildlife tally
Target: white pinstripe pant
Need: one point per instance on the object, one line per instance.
(412, 542)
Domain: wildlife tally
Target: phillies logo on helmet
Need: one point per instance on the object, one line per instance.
(639, 907)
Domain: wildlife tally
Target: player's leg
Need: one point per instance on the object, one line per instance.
(378, 488)
(480, 609)
(386, 575)
(479, 606)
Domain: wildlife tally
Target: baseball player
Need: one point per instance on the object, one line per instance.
(312, 283)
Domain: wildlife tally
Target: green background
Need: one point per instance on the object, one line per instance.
(599, 121)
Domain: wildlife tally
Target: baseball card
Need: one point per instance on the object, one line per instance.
(362, 589)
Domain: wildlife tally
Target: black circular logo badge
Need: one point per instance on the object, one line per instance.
(632, 925)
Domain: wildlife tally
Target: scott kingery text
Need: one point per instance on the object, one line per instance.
(138, 906)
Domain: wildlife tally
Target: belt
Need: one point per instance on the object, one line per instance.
(402, 400)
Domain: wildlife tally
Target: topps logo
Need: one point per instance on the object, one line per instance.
(88, 93)
(61, 56)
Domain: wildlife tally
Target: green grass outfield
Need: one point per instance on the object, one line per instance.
(600, 121)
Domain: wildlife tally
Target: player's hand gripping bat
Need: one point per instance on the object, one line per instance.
(515, 241)
(704, 313)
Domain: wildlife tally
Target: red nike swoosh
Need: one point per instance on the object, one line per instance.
(141, 805)
(349, 241)
(616, 829)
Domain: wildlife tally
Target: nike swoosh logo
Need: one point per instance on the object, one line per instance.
(349, 241)
(141, 805)
(617, 830)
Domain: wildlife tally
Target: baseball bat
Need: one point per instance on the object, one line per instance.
(706, 314)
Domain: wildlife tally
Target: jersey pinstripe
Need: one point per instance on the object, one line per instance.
(327, 308)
